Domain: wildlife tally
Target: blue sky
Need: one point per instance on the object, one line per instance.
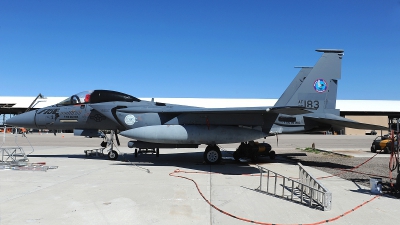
(195, 48)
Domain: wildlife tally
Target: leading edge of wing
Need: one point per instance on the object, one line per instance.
(289, 110)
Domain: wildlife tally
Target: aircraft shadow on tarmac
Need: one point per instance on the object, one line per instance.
(72, 156)
(194, 160)
(188, 160)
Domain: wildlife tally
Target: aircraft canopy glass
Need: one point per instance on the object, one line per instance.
(98, 96)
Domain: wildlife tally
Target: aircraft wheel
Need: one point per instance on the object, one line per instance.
(212, 155)
(135, 152)
(112, 155)
(398, 182)
(157, 152)
(254, 157)
(272, 154)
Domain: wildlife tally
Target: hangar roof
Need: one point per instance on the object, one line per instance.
(12, 104)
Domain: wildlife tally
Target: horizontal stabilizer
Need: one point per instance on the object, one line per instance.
(344, 122)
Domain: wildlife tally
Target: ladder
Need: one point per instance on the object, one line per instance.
(306, 190)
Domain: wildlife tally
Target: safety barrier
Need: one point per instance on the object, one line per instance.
(307, 190)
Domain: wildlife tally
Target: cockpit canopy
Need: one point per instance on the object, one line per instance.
(98, 96)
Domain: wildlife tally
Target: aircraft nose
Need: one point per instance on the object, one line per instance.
(26, 120)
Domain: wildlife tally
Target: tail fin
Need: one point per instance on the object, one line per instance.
(316, 88)
(292, 88)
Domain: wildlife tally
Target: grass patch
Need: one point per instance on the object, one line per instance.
(312, 150)
(317, 151)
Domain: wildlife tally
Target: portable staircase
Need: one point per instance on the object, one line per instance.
(14, 158)
(306, 190)
(13, 154)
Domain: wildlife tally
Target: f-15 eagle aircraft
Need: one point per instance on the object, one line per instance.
(307, 104)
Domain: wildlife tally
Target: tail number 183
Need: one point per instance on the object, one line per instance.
(309, 104)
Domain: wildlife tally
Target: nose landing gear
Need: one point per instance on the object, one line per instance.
(112, 154)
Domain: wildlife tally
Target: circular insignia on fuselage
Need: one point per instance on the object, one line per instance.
(320, 85)
(130, 119)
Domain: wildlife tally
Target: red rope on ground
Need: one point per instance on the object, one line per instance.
(349, 170)
(258, 222)
(369, 174)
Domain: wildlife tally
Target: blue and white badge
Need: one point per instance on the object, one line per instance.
(130, 119)
(320, 85)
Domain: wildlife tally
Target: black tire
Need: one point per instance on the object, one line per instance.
(387, 150)
(212, 155)
(236, 156)
(254, 157)
(112, 155)
(373, 149)
(398, 182)
(157, 152)
(135, 152)
(267, 147)
(272, 154)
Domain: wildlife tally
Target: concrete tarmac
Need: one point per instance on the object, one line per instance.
(150, 190)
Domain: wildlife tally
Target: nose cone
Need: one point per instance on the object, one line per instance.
(26, 120)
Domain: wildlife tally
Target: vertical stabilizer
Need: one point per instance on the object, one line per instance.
(318, 89)
(296, 82)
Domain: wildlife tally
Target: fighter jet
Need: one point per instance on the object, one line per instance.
(311, 96)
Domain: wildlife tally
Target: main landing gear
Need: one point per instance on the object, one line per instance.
(212, 154)
(253, 150)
